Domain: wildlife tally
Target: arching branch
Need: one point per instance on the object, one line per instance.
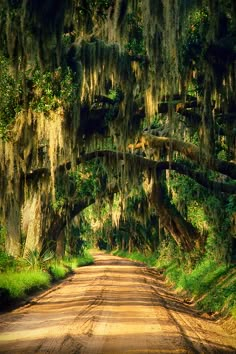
(141, 163)
(181, 230)
(189, 150)
(73, 208)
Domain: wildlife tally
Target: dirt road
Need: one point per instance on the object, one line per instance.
(113, 306)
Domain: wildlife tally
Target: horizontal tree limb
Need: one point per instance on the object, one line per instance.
(142, 163)
(189, 150)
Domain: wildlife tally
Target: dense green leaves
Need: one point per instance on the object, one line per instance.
(135, 46)
(195, 40)
(11, 92)
(52, 89)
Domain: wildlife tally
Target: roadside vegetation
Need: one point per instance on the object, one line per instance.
(205, 282)
(148, 259)
(23, 276)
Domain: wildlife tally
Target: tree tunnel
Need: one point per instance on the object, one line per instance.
(145, 87)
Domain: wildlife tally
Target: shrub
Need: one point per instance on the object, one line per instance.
(6, 261)
(148, 259)
(58, 271)
(85, 259)
(36, 260)
(20, 284)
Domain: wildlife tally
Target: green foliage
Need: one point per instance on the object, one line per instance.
(210, 213)
(6, 261)
(20, 284)
(3, 234)
(52, 89)
(75, 242)
(167, 252)
(58, 270)
(95, 7)
(59, 201)
(85, 259)
(221, 294)
(196, 30)
(116, 94)
(36, 260)
(11, 97)
(149, 259)
(233, 311)
(44, 92)
(212, 284)
(231, 205)
(21, 277)
(202, 277)
(88, 179)
(73, 262)
(135, 46)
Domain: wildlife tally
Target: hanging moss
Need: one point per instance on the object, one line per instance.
(189, 52)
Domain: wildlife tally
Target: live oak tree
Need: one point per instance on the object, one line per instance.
(148, 87)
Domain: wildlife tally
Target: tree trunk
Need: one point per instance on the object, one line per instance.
(60, 245)
(130, 249)
(31, 224)
(13, 238)
(185, 235)
(123, 243)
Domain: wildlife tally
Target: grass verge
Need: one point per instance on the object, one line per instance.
(148, 259)
(212, 286)
(16, 284)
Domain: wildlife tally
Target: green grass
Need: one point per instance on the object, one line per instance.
(221, 294)
(18, 278)
(58, 271)
(73, 262)
(212, 285)
(233, 311)
(203, 276)
(20, 284)
(149, 259)
(85, 259)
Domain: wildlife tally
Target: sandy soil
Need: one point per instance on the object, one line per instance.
(113, 306)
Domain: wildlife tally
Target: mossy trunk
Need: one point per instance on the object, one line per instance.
(185, 235)
(13, 239)
(60, 245)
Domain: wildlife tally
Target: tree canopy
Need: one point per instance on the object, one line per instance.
(125, 105)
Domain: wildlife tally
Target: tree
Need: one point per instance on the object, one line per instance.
(121, 71)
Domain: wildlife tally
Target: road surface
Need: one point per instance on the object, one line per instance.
(114, 306)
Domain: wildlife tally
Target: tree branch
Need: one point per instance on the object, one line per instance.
(189, 150)
(143, 163)
(140, 163)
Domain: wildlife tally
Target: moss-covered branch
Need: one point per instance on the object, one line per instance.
(189, 150)
(141, 164)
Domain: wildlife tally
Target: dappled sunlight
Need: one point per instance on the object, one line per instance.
(113, 306)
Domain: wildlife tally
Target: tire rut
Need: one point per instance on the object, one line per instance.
(115, 306)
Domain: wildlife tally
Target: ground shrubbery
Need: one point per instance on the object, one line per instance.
(20, 284)
(59, 269)
(210, 283)
(20, 277)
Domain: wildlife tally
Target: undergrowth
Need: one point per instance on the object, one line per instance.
(148, 259)
(18, 285)
(20, 277)
(209, 283)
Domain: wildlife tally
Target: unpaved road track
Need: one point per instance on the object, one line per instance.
(113, 306)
